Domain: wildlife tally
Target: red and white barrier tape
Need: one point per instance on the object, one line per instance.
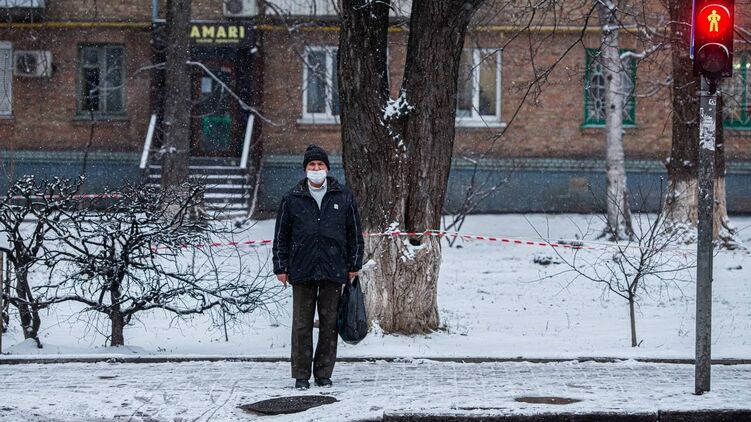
(240, 243)
(435, 233)
(439, 233)
(82, 196)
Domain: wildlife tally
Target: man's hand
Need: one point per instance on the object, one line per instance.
(284, 278)
(351, 276)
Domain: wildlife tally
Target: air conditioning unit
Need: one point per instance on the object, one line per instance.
(240, 8)
(32, 63)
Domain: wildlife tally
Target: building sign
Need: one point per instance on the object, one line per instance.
(217, 33)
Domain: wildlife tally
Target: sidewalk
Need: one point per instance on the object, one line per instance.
(392, 391)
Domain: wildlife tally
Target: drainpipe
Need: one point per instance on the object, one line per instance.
(154, 10)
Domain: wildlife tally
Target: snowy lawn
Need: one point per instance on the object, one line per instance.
(494, 301)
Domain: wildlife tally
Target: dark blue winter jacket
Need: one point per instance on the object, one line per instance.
(312, 244)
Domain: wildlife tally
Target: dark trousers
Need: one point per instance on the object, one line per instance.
(305, 298)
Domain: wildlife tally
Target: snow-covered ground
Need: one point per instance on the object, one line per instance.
(494, 301)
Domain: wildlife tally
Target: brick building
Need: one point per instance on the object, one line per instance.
(79, 78)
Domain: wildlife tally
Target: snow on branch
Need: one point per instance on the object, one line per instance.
(136, 255)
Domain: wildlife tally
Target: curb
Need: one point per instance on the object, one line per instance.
(185, 359)
(718, 415)
(390, 359)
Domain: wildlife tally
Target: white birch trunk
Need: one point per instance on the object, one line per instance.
(618, 225)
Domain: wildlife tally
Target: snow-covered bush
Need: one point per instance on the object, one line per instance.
(29, 211)
(136, 256)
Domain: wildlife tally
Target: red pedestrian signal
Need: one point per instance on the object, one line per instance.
(712, 35)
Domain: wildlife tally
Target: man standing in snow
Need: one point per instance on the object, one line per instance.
(318, 246)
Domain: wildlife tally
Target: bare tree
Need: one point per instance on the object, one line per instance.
(399, 150)
(636, 267)
(29, 211)
(132, 257)
(475, 193)
(618, 222)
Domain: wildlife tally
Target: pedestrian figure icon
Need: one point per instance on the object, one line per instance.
(714, 19)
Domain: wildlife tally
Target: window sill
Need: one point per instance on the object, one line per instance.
(318, 121)
(479, 124)
(602, 126)
(742, 129)
(101, 119)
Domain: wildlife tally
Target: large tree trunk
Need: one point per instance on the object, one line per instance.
(117, 317)
(176, 123)
(723, 230)
(117, 337)
(682, 198)
(397, 153)
(618, 225)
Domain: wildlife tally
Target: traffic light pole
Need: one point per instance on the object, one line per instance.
(707, 128)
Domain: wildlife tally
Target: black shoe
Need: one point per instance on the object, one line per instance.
(302, 384)
(324, 382)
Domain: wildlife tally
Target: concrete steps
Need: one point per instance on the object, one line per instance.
(226, 184)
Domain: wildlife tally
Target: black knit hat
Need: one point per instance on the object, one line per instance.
(314, 152)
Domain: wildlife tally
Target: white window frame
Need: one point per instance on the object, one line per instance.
(477, 120)
(325, 117)
(5, 45)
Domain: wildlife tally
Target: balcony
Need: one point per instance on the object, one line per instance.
(22, 10)
(300, 8)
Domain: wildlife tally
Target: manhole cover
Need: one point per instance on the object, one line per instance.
(285, 405)
(547, 400)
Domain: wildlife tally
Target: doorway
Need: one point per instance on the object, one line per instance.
(214, 122)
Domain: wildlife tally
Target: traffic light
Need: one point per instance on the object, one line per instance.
(712, 38)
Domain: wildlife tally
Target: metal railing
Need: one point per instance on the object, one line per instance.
(147, 144)
(246, 141)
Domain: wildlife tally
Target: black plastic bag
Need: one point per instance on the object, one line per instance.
(351, 322)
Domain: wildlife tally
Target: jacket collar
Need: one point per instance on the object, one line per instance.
(302, 186)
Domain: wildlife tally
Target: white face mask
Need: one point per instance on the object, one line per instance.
(317, 176)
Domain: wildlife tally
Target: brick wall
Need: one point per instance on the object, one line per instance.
(98, 10)
(549, 117)
(44, 109)
(283, 74)
(548, 122)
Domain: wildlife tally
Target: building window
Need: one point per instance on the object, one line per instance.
(594, 91)
(6, 79)
(320, 86)
(736, 92)
(101, 90)
(478, 101)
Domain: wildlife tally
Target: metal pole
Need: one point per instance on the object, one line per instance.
(707, 127)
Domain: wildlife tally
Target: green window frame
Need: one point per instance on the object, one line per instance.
(594, 92)
(101, 80)
(6, 79)
(736, 93)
